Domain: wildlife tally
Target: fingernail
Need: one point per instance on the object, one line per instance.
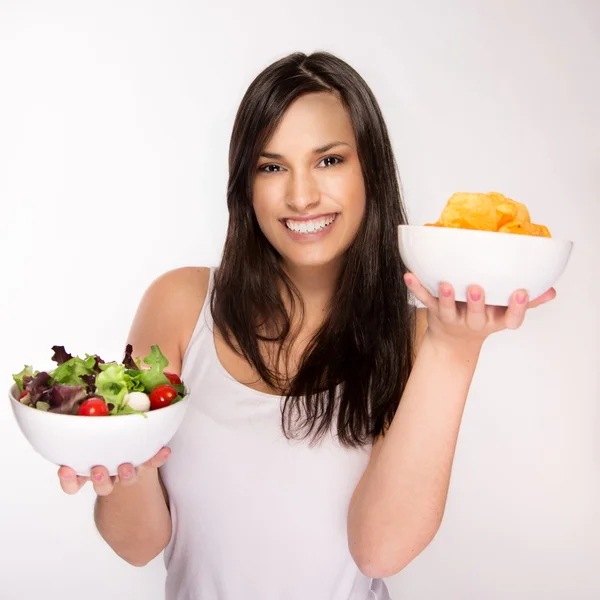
(521, 297)
(126, 473)
(98, 476)
(446, 292)
(475, 296)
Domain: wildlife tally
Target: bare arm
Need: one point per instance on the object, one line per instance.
(166, 316)
(136, 534)
(398, 506)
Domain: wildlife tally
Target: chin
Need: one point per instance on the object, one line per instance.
(311, 262)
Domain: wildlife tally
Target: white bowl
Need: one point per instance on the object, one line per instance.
(501, 263)
(84, 442)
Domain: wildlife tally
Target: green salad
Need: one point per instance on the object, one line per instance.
(91, 387)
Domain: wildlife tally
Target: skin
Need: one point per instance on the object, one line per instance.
(398, 505)
(295, 180)
(166, 316)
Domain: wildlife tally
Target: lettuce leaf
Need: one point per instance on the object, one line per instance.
(111, 384)
(60, 355)
(75, 379)
(155, 374)
(26, 372)
(128, 359)
(127, 410)
(71, 371)
(90, 382)
(134, 380)
(39, 387)
(66, 399)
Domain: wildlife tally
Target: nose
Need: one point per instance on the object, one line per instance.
(303, 192)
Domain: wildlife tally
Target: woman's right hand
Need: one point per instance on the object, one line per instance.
(103, 483)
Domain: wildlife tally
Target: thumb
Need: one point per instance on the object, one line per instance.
(545, 297)
(158, 460)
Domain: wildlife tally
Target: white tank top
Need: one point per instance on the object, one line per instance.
(255, 516)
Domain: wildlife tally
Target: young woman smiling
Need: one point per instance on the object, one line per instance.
(316, 454)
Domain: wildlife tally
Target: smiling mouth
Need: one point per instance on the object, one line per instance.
(310, 226)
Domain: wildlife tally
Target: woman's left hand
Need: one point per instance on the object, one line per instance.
(470, 323)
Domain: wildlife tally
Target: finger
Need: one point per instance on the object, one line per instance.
(476, 317)
(70, 482)
(419, 292)
(103, 483)
(127, 474)
(495, 316)
(515, 313)
(447, 304)
(82, 480)
(545, 297)
(158, 460)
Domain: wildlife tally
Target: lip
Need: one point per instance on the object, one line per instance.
(307, 238)
(309, 217)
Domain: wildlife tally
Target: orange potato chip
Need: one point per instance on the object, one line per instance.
(525, 228)
(508, 210)
(545, 232)
(470, 211)
(488, 212)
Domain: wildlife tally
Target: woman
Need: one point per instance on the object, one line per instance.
(316, 454)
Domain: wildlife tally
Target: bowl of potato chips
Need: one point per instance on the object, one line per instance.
(484, 239)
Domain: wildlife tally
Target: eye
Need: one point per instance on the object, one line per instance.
(331, 161)
(270, 168)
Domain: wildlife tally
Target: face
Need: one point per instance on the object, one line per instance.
(309, 193)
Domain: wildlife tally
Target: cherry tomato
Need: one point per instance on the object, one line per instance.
(173, 378)
(93, 407)
(162, 395)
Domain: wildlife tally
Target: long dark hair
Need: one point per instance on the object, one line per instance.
(354, 370)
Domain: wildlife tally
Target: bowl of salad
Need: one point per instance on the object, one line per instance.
(86, 412)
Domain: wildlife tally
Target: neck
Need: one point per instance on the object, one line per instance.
(316, 286)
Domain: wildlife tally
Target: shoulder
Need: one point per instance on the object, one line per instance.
(168, 312)
(189, 284)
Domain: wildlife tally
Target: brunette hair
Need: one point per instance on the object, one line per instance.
(353, 372)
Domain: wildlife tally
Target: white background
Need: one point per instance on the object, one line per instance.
(114, 127)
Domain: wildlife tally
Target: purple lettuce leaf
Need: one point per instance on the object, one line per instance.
(128, 361)
(99, 362)
(60, 355)
(39, 387)
(65, 399)
(90, 382)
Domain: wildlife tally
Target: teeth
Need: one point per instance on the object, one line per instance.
(309, 226)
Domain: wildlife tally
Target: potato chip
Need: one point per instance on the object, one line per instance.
(508, 210)
(488, 212)
(525, 228)
(470, 211)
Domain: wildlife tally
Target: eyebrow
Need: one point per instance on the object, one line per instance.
(320, 150)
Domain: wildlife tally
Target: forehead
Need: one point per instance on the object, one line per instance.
(311, 121)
